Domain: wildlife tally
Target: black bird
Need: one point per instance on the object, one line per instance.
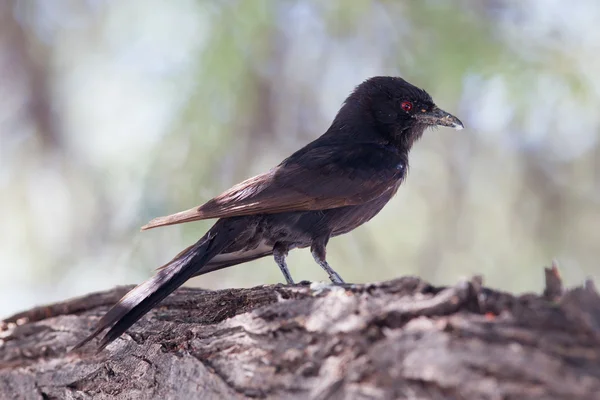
(329, 187)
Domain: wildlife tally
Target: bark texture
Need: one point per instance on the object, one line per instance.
(402, 339)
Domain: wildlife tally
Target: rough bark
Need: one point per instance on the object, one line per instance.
(399, 339)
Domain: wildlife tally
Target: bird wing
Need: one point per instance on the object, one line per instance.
(314, 178)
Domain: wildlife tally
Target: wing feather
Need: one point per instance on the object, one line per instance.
(316, 178)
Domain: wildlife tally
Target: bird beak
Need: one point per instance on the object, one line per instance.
(437, 116)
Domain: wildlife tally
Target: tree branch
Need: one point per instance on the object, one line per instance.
(399, 339)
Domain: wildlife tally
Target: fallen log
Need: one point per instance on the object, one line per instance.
(398, 339)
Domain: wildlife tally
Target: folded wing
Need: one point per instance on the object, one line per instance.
(316, 178)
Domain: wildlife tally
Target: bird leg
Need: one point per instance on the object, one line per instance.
(279, 253)
(319, 252)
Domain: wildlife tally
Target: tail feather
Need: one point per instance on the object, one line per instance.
(142, 298)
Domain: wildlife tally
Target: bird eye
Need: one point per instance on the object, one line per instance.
(406, 106)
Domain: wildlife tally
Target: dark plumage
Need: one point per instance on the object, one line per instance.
(329, 187)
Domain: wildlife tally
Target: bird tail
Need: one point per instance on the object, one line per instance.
(143, 297)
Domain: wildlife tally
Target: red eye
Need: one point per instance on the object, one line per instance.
(406, 106)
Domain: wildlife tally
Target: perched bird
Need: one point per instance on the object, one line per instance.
(327, 188)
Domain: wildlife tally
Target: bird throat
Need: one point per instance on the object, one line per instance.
(404, 139)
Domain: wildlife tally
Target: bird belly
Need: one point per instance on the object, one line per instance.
(345, 219)
(247, 253)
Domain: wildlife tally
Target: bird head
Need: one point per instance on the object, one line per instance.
(395, 109)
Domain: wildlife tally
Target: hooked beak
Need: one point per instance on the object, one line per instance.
(437, 116)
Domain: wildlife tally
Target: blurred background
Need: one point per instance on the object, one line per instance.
(115, 112)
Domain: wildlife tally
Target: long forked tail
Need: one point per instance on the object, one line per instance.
(142, 298)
